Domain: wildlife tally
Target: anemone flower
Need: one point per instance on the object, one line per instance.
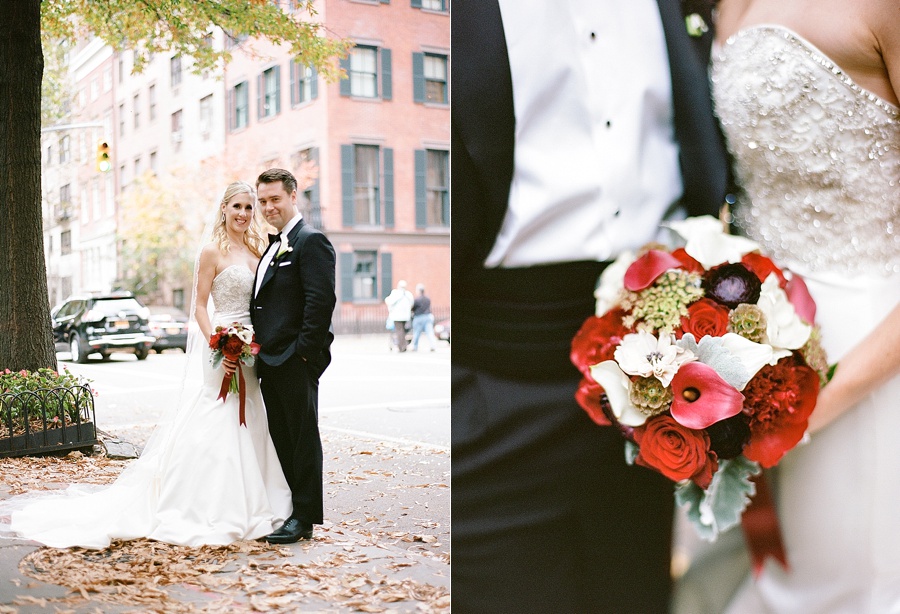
(702, 397)
(641, 353)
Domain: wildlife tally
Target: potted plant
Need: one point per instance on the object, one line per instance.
(45, 411)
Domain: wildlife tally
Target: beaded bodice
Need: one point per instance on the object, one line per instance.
(817, 156)
(232, 289)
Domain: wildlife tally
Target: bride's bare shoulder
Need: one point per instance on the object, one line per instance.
(728, 17)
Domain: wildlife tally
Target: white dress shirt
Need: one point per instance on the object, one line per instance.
(596, 162)
(269, 254)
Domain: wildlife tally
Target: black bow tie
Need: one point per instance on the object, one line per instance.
(274, 239)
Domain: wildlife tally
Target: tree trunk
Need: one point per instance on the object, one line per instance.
(26, 339)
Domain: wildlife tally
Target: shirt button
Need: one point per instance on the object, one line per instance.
(593, 35)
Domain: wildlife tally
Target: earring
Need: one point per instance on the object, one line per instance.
(223, 217)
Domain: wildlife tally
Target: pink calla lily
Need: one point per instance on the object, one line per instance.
(799, 296)
(646, 269)
(702, 397)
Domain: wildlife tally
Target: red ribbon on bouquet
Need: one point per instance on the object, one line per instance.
(242, 394)
(761, 529)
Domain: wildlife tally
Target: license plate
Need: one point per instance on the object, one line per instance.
(173, 331)
(121, 324)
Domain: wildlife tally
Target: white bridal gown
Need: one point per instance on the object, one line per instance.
(203, 478)
(819, 158)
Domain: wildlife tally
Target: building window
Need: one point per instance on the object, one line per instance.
(365, 185)
(65, 202)
(107, 79)
(364, 72)
(436, 78)
(303, 83)
(175, 70)
(437, 185)
(137, 166)
(151, 94)
(365, 275)
(137, 110)
(177, 127)
(122, 119)
(434, 5)
(153, 162)
(269, 84)
(206, 111)
(65, 242)
(121, 63)
(64, 149)
(240, 105)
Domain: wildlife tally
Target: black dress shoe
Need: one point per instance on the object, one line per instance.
(291, 531)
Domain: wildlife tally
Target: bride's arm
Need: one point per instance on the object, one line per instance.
(865, 367)
(206, 272)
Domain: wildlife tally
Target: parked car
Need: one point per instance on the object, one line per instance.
(442, 329)
(170, 327)
(102, 324)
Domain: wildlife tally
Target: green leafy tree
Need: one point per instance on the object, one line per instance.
(145, 26)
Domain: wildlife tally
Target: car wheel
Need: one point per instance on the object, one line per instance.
(78, 351)
(105, 356)
(142, 353)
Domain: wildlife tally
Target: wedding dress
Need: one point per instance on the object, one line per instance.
(819, 160)
(202, 479)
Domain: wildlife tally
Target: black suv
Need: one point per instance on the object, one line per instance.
(102, 323)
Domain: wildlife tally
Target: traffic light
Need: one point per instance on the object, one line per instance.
(104, 162)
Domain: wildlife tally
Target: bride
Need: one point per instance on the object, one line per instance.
(202, 478)
(807, 92)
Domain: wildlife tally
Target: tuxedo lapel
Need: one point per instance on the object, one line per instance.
(270, 271)
(482, 127)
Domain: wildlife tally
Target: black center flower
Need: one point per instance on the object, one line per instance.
(732, 284)
(728, 437)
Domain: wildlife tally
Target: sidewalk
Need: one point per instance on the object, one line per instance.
(373, 563)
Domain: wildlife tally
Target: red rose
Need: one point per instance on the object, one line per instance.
(763, 267)
(590, 397)
(597, 339)
(215, 340)
(233, 347)
(677, 452)
(706, 317)
(779, 400)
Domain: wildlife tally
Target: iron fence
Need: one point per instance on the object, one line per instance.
(369, 319)
(46, 420)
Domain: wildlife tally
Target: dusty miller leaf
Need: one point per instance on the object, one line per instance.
(720, 507)
(631, 451)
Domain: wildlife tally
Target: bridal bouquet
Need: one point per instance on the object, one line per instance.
(236, 342)
(707, 360)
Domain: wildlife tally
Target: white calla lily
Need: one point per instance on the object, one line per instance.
(612, 282)
(784, 328)
(708, 243)
(615, 383)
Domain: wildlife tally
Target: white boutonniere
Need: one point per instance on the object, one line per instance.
(696, 25)
(284, 249)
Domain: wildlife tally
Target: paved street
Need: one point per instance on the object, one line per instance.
(385, 423)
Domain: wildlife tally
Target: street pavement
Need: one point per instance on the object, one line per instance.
(385, 544)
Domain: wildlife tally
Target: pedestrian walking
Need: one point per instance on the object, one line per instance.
(400, 304)
(422, 319)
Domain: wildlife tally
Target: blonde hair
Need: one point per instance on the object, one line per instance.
(253, 238)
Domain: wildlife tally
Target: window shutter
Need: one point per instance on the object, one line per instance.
(232, 112)
(421, 197)
(260, 97)
(345, 81)
(277, 89)
(314, 84)
(416, 4)
(418, 66)
(387, 283)
(347, 277)
(347, 177)
(386, 91)
(314, 205)
(389, 187)
(385, 1)
(295, 77)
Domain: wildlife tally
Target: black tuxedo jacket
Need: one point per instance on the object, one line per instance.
(483, 124)
(292, 311)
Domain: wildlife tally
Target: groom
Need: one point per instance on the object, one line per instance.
(291, 312)
(576, 127)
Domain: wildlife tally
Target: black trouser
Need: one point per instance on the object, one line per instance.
(291, 394)
(547, 516)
